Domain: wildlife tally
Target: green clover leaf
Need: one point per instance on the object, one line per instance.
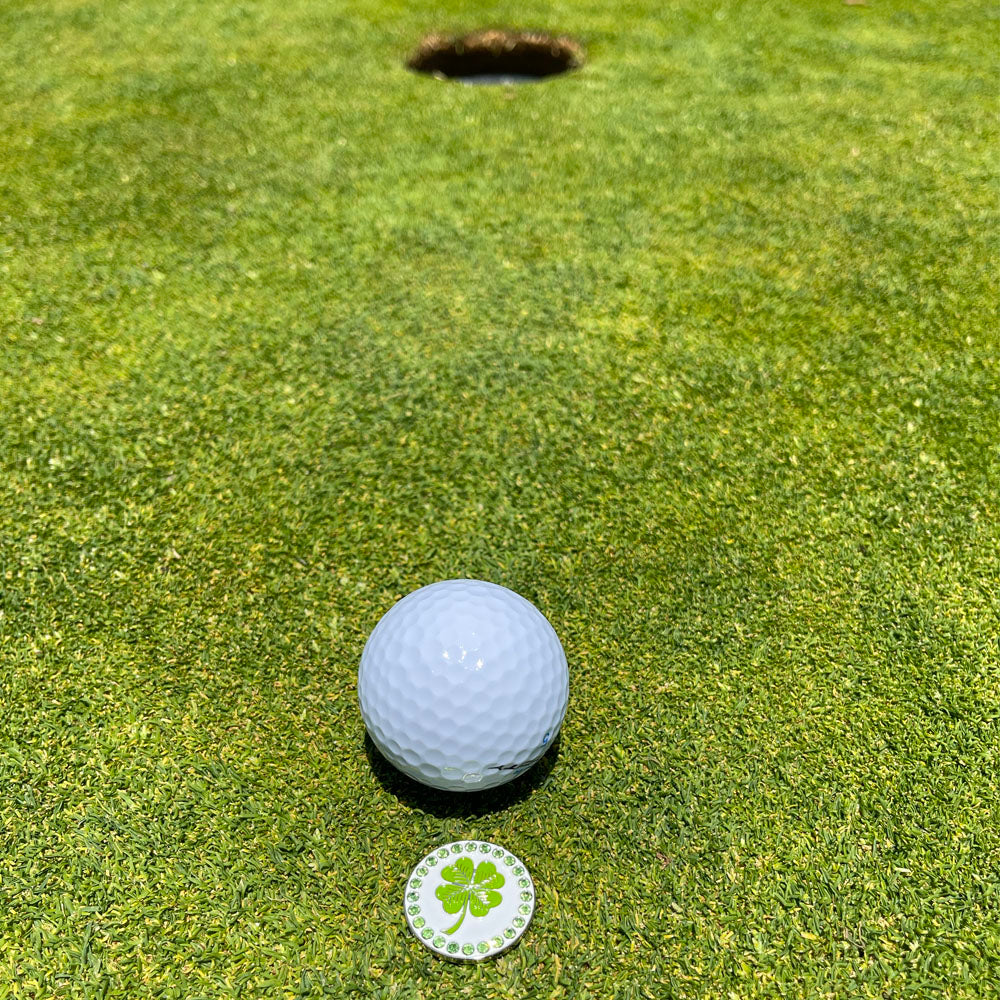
(468, 890)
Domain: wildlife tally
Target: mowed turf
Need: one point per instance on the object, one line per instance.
(697, 349)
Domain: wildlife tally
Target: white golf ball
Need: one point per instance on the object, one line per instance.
(463, 685)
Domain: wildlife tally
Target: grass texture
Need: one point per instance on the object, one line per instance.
(696, 348)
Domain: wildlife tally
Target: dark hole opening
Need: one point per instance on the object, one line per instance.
(496, 56)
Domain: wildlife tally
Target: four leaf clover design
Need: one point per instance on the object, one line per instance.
(469, 891)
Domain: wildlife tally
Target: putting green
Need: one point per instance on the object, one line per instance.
(696, 348)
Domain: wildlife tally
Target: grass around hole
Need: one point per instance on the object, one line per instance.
(698, 352)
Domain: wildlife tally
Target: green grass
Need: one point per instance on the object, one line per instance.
(697, 349)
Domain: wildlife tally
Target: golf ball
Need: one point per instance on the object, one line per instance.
(463, 685)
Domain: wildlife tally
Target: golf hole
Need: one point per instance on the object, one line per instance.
(496, 56)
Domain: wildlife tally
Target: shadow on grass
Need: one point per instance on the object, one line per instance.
(451, 805)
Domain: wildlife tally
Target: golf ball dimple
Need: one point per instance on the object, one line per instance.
(463, 685)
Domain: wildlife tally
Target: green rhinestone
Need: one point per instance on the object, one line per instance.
(518, 921)
(523, 883)
(509, 932)
(485, 848)
(518, 870)
(508, 860)
(432, 861)
(419, 922)
(498, 942)
(526, 896)
(524, 908)
(453, 948)
(456, 848)
(483, 947)
(421, 870)
(413, 910)
(438, 942)
(427, 932)
(468, 949)
(470, 846)
(498, 853)
(443, 852)
(413, 896)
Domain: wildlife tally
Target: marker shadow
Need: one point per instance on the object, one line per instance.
(459, 805)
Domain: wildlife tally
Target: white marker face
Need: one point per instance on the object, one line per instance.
(469, 900)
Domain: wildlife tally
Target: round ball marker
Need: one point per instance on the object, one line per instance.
(469, 900)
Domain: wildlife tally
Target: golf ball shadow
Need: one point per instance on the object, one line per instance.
(459, 804)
